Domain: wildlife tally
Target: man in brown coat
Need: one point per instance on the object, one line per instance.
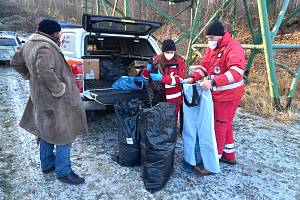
(54, 111)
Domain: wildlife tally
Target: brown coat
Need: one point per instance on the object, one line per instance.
(54, 111)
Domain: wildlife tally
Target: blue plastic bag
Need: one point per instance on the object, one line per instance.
(130, 83)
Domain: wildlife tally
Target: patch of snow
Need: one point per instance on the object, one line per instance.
(268, 160)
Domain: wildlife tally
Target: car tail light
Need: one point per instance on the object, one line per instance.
(79, 84)
(78, 74)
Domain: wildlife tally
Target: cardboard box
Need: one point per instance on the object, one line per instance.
(91, 68)
(135, 67)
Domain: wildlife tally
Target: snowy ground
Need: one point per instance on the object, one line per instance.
(268, 156)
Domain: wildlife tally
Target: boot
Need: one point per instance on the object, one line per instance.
(47, 171)
(202, 171)
(71, 178)
(230, 162)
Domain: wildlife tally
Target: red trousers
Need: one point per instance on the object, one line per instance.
(224, 112)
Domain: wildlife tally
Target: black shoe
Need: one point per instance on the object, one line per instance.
(71, 178)
(230, 162)
(47, 171)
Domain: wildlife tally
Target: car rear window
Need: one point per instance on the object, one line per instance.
(121, 27)
(7, 41)
(139, 47)
(125, 46)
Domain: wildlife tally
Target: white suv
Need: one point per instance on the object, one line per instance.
(9, 42)
(105, 47)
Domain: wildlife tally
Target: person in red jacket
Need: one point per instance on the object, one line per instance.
(171, 71)
(223, 64)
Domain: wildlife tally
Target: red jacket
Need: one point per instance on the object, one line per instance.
(173, 73)
(225, 65)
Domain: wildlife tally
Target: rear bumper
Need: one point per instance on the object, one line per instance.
(93, 105)
(102, 99)
(110, 97)
(6, 54)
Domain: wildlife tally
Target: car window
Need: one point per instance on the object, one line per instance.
(102, 45)
(139, 47)
(68, 44)
(121, 27)
(7, 41)
(125, 46)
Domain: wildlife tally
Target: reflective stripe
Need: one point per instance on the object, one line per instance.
(169, 86)
(229, 146)
(229, 150)
(173, 80)
(172, 96)
(203, 68)
(229, 76)
(237, 69)
(228, 87)
(180, 79)
(200, 72)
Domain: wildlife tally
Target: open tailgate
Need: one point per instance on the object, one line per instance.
(118, 25)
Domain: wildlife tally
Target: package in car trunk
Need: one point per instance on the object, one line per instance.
(128, 137)
(158, 139)
(136, 67)
(91, 68)
(112, 68)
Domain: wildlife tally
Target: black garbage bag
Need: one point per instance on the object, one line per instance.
(112, 68)
(128, 137)
(158, 139)
(156, 92)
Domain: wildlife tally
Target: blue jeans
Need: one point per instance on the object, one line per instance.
(186, 166)
(61, 160)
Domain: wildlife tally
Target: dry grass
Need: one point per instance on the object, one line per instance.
(257, 97)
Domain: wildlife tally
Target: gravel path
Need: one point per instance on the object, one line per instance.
(268, 155)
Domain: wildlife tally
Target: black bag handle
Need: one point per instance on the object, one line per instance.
(195, 99)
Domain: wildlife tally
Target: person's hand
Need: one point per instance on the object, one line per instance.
(207, 84)
(188, 80)
(149, 67)
(156, 77)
